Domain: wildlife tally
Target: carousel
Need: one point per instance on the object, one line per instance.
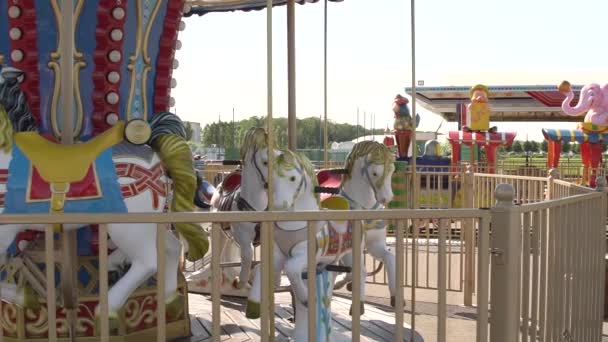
(85, 127)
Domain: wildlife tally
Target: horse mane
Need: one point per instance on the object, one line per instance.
(14, 101)
(255, 138)
(289, 160)
(379, 154)
(6, 131)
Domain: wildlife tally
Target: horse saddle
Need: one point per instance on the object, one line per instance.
(61, 165)
(228, 190)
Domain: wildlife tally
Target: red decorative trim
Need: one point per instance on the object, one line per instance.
(164, 66)
(105, 24)
(144, 179)
(3, 180)
(552, 98)
(28, 44)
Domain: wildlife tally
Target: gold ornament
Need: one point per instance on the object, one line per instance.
(137, 131)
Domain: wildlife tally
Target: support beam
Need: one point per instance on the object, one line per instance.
(69, 288)
(325, 135)
(291, 75)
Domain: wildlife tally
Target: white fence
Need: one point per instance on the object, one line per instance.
(547, 264)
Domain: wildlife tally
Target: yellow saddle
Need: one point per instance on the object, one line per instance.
(59, 164)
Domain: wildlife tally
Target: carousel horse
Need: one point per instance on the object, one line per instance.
(63, 174)
(366, 185)
(294, 183)
(245, 190)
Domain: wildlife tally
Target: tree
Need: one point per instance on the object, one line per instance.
(544, 146)
(517, 147)
(527, 146)
(189, 131)
(565, 147)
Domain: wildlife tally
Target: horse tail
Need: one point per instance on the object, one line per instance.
(168, 140)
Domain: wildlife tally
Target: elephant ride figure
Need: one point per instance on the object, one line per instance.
(129, 155)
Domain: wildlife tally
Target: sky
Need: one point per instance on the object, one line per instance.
(222, 62)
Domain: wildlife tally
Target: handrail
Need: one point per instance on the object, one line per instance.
(557, 202)
(221, 217)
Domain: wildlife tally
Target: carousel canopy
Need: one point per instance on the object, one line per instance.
(509, 103)
(201, 7)
(574, 135)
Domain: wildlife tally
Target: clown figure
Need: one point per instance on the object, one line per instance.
(478, 111)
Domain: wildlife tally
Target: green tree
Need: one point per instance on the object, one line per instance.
(544, 146)
(517, 147)
(566, 147)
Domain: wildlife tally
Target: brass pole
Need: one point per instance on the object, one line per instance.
(291, 75)
(68, 239)
(267, 305)
(325, 135)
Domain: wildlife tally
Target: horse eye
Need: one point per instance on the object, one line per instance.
(265, 162)
(375, 174)
(293, 178)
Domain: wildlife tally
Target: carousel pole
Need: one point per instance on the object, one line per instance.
(325, 138)
(68, 239)
(413, 136)
(267, 305)
(414, 182)
(291, 75)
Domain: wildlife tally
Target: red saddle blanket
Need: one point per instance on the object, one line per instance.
(87, 188)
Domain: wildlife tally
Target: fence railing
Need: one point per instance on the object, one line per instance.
(538, 248)
(548, 268)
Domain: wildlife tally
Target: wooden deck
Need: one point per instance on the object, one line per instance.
(376, 324)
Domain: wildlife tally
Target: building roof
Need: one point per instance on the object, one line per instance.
(509, 103)
(202, 7)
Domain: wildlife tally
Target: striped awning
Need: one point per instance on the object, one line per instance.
(481, 139)
(574, 135)
(201, 7)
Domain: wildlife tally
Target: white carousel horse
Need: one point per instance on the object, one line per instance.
(294, 183)
(102, 166)
(367, 186)
(248, 195)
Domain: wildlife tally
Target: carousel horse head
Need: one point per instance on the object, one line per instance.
(293, 175)
(371, 163)
(254, 153)
(14, 100)
(10, 76)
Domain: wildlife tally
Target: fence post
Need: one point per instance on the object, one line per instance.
(553, 175)
(506, 258)
(469, 237)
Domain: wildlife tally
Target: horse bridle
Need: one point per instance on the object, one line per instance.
(257, 168)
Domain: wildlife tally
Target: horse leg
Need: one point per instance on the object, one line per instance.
(244, 234)
(294, 266)
(375, 241)
(138, 242)
(116, 259)
(362, 279)
(347, 260)
(173, 252)
(24, 296)
(255, 294)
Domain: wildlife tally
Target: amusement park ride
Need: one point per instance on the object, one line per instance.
(85, 127)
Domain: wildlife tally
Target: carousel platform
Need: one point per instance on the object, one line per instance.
(376, 324)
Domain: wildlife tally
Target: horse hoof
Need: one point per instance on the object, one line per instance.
(253, 310)
(361, 310)
(30, 298)
(113, 322)
(349, 287)
(174, 306)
